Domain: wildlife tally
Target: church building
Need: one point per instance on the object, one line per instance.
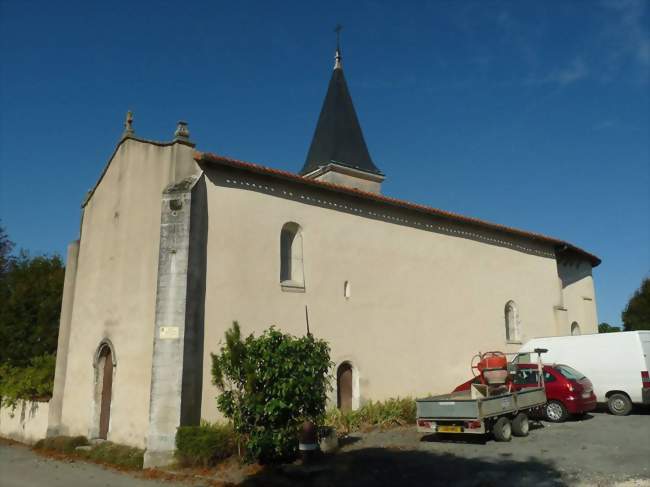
(175, 244)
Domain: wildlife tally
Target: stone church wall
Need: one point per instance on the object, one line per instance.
(27, 423)
(115, 289)
(425, 294)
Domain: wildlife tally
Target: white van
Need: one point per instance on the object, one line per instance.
(616, 363)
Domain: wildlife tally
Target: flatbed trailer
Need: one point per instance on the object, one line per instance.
(475, 412)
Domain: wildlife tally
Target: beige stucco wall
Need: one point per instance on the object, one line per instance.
(116, 285)
(26, 423)
(423, 300)
(578, 296)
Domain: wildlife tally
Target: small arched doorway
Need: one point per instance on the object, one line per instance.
(105, 364)
(575, 328)
(344, 387)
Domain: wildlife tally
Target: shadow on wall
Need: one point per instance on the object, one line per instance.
(384, 467)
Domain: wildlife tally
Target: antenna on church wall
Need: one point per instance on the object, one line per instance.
(307, 319)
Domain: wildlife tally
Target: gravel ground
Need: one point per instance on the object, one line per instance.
(598, 450)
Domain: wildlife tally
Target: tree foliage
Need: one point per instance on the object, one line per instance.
(30, 304)
(607, 328)
(6, 246)
(268, 386)
(31, 291)
(636, 315)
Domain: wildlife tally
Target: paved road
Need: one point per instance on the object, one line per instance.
(21, 467)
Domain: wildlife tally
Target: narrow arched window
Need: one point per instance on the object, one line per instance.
(512, 322)
(291, 266)
(575, 328)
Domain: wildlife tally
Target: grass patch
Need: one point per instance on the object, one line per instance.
(62, 444)
(205, 445)
(115, 454)
(105, 452)
(383, 414)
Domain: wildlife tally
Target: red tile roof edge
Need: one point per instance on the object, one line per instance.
(259, 169)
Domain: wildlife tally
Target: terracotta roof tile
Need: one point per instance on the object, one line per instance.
(207, 157)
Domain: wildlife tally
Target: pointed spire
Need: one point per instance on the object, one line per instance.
(338, 137)
(128, 125)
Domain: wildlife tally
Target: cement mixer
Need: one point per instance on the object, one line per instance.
(492, 369)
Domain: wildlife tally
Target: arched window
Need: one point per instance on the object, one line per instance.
(575, 328)
(291, 268)
(512, 322)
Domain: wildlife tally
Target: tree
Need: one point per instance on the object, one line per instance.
(269, 385)
(31, 292)
(607, 328)
(636, 315)
(6, 246)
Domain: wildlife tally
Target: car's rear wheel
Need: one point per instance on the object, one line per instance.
(619, 404)
(520, 425)
(555, 412)
(502, 429)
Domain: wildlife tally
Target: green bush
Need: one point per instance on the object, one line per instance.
(62, 444)
(205, 445)
(269, 385)
(33, 382)
(114, 454)
(383, 414)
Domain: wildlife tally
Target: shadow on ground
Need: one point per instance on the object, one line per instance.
(389, 467)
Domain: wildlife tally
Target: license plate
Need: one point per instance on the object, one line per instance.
(585, 395)
(450, 429)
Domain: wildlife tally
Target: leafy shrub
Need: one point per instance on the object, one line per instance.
(30, 383)
(62, 444)
(114, 454)
(383, 414)
(204, 445)
(269, 385)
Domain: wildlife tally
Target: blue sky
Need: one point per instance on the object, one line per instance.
(530, 114)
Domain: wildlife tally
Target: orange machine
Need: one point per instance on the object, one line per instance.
(492, 368)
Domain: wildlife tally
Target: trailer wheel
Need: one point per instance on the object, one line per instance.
(520, 426)
(502, 429)
(619, 404)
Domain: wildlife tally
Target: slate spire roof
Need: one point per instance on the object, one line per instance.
(338, 137)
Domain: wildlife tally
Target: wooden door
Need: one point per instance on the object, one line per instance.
(107, 389)
(344, 387)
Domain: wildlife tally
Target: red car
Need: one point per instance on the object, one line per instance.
(567, 390)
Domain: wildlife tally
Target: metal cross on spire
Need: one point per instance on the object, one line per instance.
(337, 57)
